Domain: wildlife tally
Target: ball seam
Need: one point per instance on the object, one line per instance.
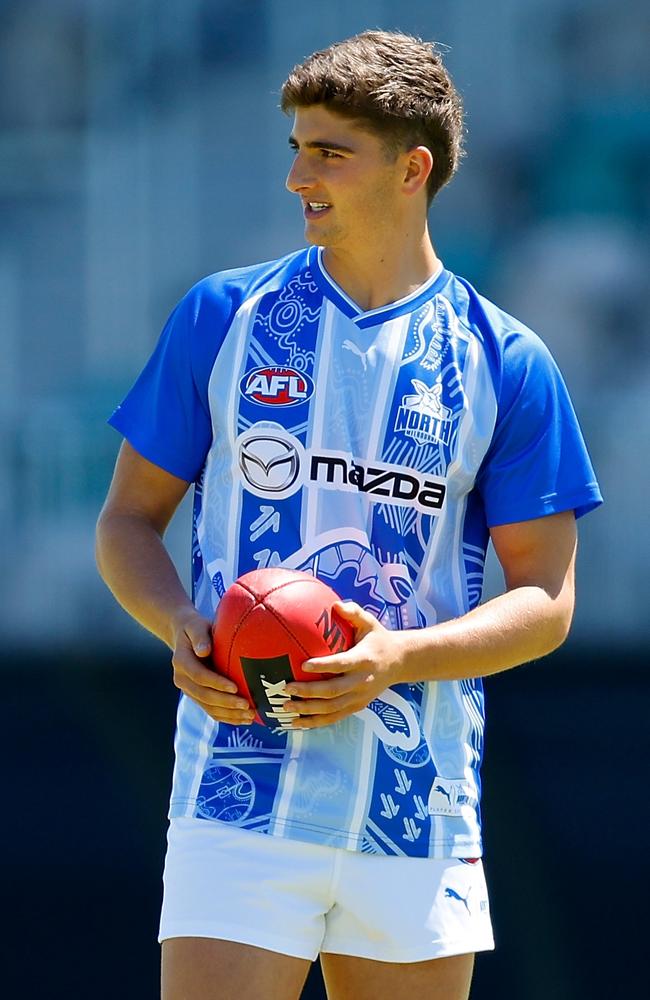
(287, 583)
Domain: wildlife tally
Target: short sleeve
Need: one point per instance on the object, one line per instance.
(165, 416)
(537, 463)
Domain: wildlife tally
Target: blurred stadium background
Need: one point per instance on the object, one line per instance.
(141, 148)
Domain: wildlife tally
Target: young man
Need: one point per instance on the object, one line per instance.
(356, 411)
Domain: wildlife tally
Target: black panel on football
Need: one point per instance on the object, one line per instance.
(266, 679)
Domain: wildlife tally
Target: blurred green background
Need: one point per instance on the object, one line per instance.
(141, 147)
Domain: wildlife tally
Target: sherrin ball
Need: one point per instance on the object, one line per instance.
(266, 625)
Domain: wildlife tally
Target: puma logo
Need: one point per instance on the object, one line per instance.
(349, 345)
(443, 791)
(452, 894)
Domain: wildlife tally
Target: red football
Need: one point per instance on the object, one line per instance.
(266, 625)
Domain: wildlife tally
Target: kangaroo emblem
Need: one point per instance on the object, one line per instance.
(428, 399)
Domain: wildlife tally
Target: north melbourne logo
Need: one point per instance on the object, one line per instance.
(422, 415)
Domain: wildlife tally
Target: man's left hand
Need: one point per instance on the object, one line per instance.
(371, 665)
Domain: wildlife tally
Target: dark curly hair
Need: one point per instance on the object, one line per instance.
(395, 86)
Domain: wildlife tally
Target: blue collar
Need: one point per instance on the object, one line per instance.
(372, 317)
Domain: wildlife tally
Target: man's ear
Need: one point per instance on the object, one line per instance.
(418, 166)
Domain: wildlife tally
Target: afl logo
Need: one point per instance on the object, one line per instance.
(276, 386)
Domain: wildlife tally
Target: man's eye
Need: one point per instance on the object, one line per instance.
(329, 154)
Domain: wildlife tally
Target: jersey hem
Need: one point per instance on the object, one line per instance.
(461, 846)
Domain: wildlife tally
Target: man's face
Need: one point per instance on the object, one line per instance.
(348, 185)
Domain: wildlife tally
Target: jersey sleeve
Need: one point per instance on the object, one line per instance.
(166, 416)
(537, 463)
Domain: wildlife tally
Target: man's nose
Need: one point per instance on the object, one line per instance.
(299, 176)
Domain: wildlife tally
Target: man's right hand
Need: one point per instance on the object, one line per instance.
(195, 675)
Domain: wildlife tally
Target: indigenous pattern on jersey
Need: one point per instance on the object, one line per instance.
(373, 450)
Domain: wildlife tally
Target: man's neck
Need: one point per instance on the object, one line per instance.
(377, 275)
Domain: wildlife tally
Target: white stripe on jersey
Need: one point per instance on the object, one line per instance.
(364, 788)
(393, 344)
(231, 357)
(428, 714)
(239, 332)
(310, 504)
(204, 744)
(286, 783)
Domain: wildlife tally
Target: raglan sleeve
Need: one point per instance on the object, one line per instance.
(537, 463)
(165, 416)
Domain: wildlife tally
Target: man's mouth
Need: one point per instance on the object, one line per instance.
(316, 208)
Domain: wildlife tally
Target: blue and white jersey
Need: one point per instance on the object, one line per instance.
(374, 450)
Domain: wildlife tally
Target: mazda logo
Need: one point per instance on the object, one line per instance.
(269, 464)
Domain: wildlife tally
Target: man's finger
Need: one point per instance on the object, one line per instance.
(232, 718)
(337, 663)
(318, 721)
(210, 697)
(315, 706)
(330, 688)
(201, 672)
(357, 616)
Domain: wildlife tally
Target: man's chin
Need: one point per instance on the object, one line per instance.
(320, 236)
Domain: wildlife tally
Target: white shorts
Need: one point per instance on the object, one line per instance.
(301, 899)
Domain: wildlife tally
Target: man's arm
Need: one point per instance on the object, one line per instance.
(529, 620)
(136, 566)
